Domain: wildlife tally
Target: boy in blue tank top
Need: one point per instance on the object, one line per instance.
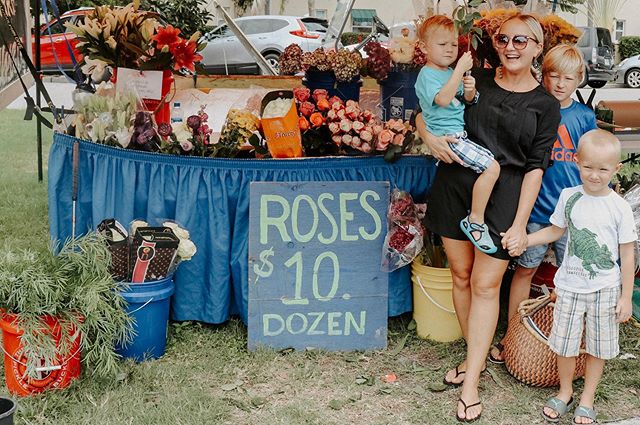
(443, 93)
(562, 70)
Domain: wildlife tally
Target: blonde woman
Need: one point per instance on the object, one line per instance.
(517, 120)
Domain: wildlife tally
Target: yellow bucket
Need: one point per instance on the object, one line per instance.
(433, 308)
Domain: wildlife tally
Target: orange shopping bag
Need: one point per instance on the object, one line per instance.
(282, 133)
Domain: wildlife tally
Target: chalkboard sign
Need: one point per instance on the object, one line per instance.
(314, 265)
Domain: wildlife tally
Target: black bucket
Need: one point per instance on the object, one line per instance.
(349, 90)
(7, 409)
(398, 95)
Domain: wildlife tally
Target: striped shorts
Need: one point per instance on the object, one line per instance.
(472, 155)
(598, 311)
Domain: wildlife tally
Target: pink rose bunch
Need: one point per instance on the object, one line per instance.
(392, 132)
(351, 126)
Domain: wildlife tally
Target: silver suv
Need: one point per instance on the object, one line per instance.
(224, 54)
(597, 49)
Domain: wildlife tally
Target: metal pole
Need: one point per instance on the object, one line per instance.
(38, 75)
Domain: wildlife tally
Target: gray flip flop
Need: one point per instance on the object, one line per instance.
(559, 406)
(584, 412)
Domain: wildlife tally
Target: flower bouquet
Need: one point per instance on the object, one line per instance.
(404, 239)
(130, 39)
(191, 137)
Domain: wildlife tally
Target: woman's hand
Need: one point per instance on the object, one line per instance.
(515, 240)
(439, 145)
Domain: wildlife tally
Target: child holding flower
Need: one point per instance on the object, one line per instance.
(443, 93)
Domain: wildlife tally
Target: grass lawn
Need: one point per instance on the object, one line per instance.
(209, 377)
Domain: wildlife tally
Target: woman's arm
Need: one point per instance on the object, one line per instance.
(528, 193)
(439, 145)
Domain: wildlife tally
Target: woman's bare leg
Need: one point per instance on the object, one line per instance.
(486, 278)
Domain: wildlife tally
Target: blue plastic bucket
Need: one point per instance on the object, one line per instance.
(149, 307)
(398, 95)
(349, 90)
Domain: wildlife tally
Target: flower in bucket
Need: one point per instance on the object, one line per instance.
(186, 248)
(132, 38)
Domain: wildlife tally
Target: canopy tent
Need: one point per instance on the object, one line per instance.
(17, 11)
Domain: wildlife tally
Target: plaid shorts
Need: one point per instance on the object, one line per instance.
(598, 310)
(472, 155)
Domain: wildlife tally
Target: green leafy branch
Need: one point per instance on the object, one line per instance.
(464, 17)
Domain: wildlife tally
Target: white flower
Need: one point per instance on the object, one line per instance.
(186, 249)
(111, 42)
(182, 132)
(177, 230)
(106, 118)
(123, 136)
(137, 223)
(186, 146)
(96, 68)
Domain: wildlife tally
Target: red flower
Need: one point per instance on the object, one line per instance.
(185, 56)
(167, 36)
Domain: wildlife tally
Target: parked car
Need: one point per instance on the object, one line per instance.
(597, 48)
(224, 54)
(55, 43)
(628, 72)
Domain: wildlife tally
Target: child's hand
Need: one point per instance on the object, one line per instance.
(465, 62)
(515, 243)
(623, 310)
(469, 84)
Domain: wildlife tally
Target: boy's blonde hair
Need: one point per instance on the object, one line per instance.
(432, 23)
(564, 59)
(599, 138)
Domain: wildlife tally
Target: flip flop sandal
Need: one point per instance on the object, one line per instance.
(584, 412)
(559, 406)
(484, 242)
(460, 400)
(496, 360)
(458, 373)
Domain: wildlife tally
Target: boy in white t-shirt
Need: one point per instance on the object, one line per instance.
(591, 288)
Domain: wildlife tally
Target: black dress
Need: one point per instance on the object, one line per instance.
(519, 129)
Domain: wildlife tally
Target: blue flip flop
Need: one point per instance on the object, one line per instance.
(484, 243)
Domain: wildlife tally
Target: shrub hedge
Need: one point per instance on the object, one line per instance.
(629, 46)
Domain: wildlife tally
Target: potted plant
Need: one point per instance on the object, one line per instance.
(54, 307)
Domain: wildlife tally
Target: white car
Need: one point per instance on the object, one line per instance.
(270, 34)
(628, 72)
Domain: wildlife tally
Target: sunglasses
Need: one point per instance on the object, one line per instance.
(519, 41)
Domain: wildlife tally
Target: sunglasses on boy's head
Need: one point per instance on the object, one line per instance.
(519, 41)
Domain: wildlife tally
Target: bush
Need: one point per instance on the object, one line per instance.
(629, 46)
(349, 38)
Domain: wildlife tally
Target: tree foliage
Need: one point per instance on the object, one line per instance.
(629, 46)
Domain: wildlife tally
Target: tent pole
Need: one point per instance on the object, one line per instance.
(38, 69)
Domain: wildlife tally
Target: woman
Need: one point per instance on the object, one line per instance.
(517, 120)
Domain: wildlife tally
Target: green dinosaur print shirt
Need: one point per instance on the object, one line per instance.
(597, 225)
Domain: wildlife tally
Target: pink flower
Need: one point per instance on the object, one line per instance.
(307, 108)
(346, 125)
(356, 142)
(334, 127)
(358, 126)
(186, 146)
(337, 139)
(334, 99)
(341, 115)
(368, 115)
(320, 94)
(398, 126)
(351, 102)
(331, 115)
(366, 135)
(302, 94)
(347, 139)
(336, 106)
(398, 139)
(352, 112)
(377, 129)
(384, 138)
(366, 148)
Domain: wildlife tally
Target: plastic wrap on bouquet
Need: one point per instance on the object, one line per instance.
(118, 243)
(405, 237)
(153, 253)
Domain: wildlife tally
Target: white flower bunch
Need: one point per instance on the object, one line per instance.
(186, 248)
(277, 108)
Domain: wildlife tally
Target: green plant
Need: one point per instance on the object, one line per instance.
(566, 5)
(348, 38)
(629, 46)
(75, 287)
(188, 15)
(464, 17)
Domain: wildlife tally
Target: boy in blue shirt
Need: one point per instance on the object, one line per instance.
(443, 93)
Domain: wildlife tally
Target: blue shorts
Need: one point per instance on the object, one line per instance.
(472, 155)
(534, 255)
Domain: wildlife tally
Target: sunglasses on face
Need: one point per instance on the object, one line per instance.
(519, 41)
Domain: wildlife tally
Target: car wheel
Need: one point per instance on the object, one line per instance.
(274, 61)
(597, 84)
(585, 79)
(632, 79)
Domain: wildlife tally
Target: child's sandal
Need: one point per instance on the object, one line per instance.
(484, 242)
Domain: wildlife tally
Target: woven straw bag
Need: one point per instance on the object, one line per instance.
(526, 353)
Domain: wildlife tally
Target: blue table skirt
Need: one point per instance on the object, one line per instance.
(210, 197)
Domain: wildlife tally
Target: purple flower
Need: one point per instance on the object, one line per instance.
(194, 122)
(164, 129)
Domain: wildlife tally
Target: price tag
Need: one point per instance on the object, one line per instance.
(314, 265)
(145, 84)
